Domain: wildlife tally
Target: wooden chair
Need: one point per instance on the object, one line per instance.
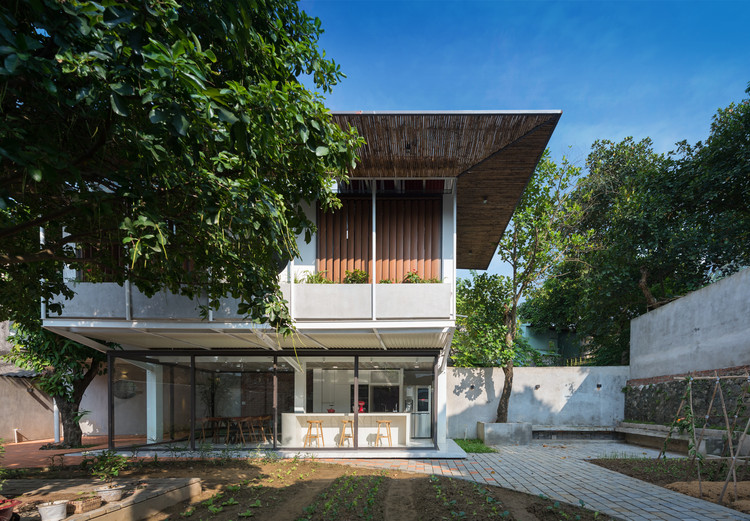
(387, 435)
(344, 435)
(235, 422)
(213, 423)
(317, 435)
(259, 423)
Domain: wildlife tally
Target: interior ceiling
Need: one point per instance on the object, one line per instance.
(492, 155)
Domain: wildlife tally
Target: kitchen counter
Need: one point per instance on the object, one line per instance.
(294, 428)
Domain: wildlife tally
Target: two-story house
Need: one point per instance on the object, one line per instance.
(372, 297)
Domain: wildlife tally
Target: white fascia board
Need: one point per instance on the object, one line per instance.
(83, 325)
(383, 326)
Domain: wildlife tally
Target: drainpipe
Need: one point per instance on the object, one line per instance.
(56, 416)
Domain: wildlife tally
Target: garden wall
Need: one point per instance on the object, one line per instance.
(704, 330)
(543, 396)
(24, 408)
(656, 400)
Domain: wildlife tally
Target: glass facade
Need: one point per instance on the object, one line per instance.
(286, 401)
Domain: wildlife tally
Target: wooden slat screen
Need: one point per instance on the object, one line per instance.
(408, 238)
(345, 239)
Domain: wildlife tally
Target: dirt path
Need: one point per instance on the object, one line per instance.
(399, 501)
(304, 494)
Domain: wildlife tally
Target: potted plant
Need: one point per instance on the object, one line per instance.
(107, 467)
(54, 510)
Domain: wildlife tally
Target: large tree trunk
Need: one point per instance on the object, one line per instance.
(69, 408)
(502, 407)
(504, 404)
(72, 434)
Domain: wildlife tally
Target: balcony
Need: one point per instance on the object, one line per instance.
(308, 303)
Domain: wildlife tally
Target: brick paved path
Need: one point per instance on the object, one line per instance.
(558, 470)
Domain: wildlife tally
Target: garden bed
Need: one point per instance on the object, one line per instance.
(309, 490)
(680, 475)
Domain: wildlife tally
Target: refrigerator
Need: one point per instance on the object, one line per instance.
(421, 416)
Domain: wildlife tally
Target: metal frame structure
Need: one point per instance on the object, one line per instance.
(148, 355)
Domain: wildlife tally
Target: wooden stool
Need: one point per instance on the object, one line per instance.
(318, 436)
(386, 435)
(344, 435)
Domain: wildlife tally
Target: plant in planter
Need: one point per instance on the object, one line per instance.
(413, 278)
(356, 277)
(107, 466)
(54, 510)
(316, 278)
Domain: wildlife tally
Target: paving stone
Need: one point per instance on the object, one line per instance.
(558, 470)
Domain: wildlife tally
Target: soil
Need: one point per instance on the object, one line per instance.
(282, 490)
(681, 476)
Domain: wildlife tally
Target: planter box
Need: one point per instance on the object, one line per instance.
(504, 433)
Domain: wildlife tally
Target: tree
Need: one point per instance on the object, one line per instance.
(661, 226)
(533, 242)
(479, 341)
(165, 143)
(65, 369)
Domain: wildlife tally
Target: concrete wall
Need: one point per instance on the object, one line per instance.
(567, 396)
(706, 329)
(29, 412)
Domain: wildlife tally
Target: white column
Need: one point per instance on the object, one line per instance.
(154, 403)
(442, 404)
(449, 245)
(56, 419)
(300, 388)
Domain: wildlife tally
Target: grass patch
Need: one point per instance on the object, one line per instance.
(475, 446)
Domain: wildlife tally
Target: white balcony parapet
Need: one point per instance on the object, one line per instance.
(310, 303)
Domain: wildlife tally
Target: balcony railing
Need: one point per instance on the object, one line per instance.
(308, 302)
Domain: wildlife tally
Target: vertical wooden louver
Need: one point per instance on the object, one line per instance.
(408, 238)
(408, 235)
(345, 239)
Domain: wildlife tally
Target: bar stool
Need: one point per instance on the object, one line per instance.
(317, 436)
(387, 430)
(344, 435)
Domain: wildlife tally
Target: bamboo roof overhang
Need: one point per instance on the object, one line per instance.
(492, 154)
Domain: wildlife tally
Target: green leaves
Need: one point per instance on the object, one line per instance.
(652, 228)
(139, 124)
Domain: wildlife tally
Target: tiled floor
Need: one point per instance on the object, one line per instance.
(559, 471)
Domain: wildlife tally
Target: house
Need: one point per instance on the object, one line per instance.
(366, 368)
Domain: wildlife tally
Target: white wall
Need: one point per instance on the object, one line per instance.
(706, 329)
(567, 396)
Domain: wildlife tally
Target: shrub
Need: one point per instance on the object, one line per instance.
(356, 277)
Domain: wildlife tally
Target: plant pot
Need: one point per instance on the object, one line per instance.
(54, 511)
(6, 508)
(110, 492)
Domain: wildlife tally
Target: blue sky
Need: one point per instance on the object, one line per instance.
(615, 68)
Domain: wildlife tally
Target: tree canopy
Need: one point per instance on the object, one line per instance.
(660, 226)
(166, 143)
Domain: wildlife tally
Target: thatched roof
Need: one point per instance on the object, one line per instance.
(492, 155)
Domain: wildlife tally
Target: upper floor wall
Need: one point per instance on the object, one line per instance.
(384, 232)
(414, 232)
